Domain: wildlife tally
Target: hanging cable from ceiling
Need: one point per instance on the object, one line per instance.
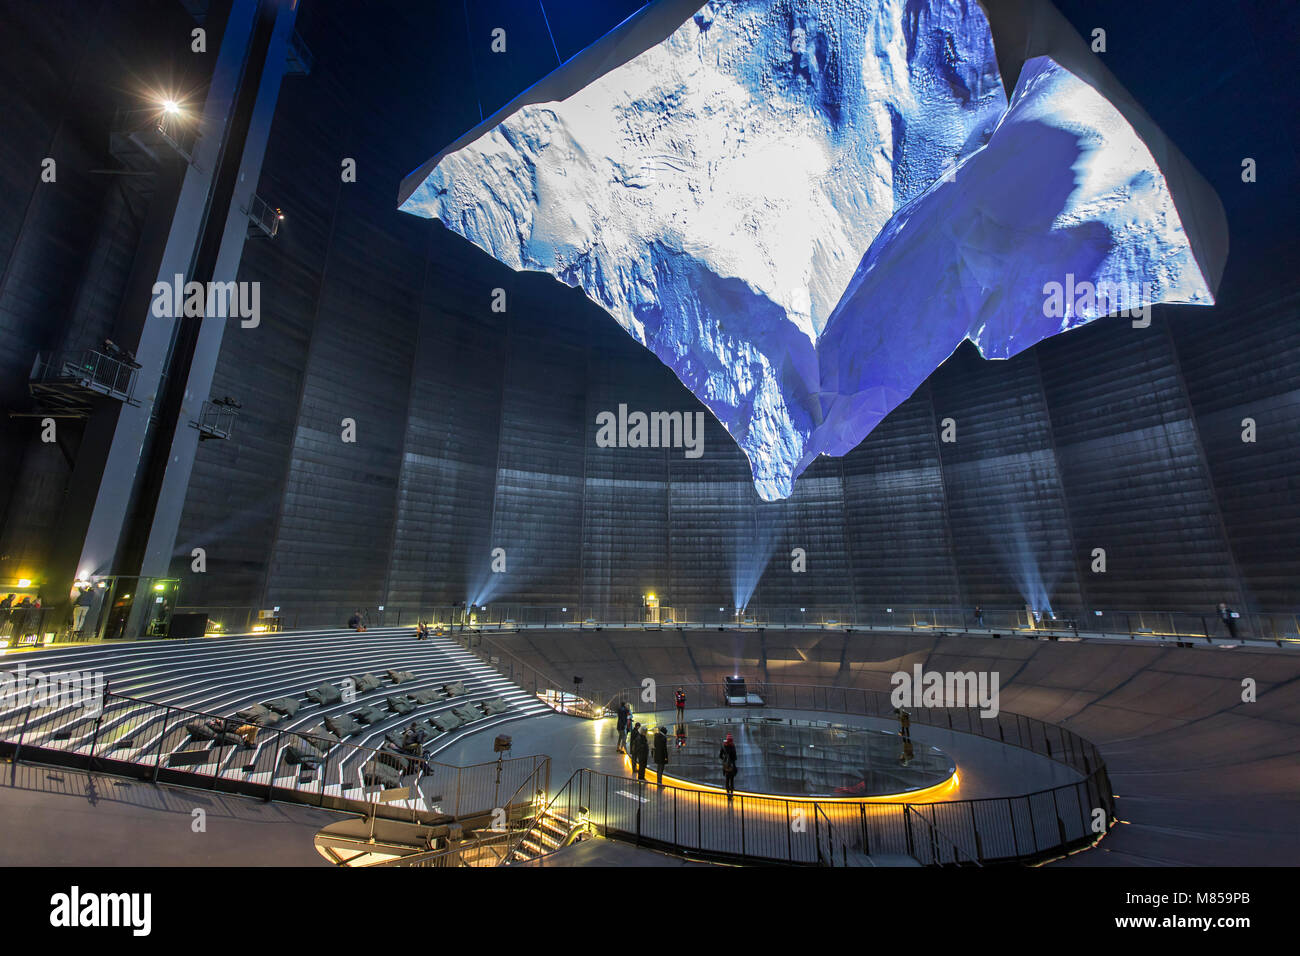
(469, 40)
(547, 21)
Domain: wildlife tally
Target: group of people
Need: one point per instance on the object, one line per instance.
(634, 741)
(422, 630)
(15, 614)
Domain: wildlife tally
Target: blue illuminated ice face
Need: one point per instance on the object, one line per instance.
(803, 207)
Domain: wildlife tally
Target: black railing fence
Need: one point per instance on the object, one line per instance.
(1016, 829)
(1168, 625)
(147, 739)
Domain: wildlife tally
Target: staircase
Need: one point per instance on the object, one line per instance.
(551, 831)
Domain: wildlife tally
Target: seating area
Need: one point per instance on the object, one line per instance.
(340, 709)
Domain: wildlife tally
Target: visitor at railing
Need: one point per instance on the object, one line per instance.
(727, 754)
(661, 753)
(624, 716)
(640, 745)
(1229, 618)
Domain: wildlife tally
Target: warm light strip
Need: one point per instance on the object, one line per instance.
(910, 796)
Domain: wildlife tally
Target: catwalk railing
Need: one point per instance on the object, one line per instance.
(142, 738)
(1014, 829)
(746, 829)
(1163, 625)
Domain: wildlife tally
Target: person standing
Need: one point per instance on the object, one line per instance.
(622, 727)
(1229, 619)
(632, 729)
(641, 752)
(727, 754)
(681, 705)
(979, 615)
(81, 608)
(661, 753)
(904, 724)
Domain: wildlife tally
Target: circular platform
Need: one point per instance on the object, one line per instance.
(795, 758)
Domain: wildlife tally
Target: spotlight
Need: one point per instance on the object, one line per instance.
(24, 582)
(171, 107)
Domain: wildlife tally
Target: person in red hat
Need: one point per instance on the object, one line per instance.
(727, 754)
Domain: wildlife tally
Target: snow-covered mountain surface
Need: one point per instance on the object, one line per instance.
(1062, 218)
(716, 195)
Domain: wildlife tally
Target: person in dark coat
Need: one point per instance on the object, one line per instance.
(641, 752)
(661, 753)
(727, 754)
(1229, 621)
(633, 728)
(623, 714)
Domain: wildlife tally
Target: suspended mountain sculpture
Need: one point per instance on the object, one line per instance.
(803, 207)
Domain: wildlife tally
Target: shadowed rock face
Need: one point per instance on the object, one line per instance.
(717, 192)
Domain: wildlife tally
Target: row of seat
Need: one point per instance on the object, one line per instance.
(216, 677)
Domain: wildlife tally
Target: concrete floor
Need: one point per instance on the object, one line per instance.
(609, 853)
(51, 816)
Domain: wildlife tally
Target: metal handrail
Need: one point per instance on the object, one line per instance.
(144, 713)
(538, 818)
(886, 817)
(1274, 627)
(911, 812)
(428, 857)
(820, 819)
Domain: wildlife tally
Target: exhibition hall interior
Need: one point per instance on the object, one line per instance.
(528, 434)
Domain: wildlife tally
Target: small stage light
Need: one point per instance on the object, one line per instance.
(171, 106)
